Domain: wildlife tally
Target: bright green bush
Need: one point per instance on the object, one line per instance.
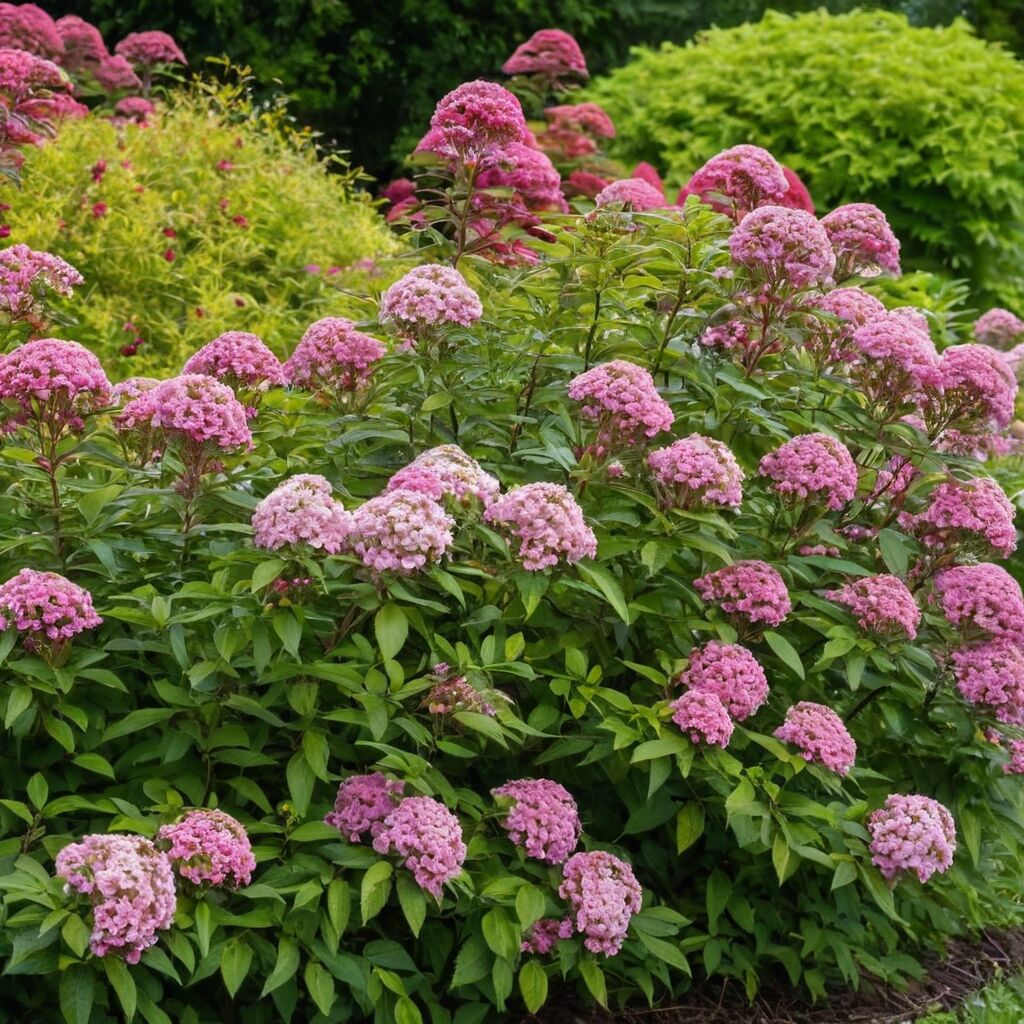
(926, 123)
(249, 204)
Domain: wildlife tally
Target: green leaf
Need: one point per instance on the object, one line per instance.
(781, 858)
(135, 721)
(19, 700)
(122, 983)
(38, 791)
(375, 890)
(601, 578)
(530, 905)
(235, 960)
(300, 782)
(391, 628)
(533, 985)
(412, 901)
(718, 892)
(339, 904)
(473, 962)
(438, 400)
(407, 1012)
(94, 763)
(845, 873)
(500, 934)
(593, 978)
(785, 652)
(894, 551)
(320, 986)
(286, 965)
(266, 572)
(689, 825)
(77, 992)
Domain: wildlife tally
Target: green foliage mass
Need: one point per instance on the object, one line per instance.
(171, 177)
(928, 124)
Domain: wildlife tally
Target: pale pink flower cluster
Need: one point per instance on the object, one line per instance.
(854, 308)
(1015, 766)
(820, 735)
(787, 247)
(981, 597)
(812, 467)
(130, 885)
(750, 589)
(632, 194)
(991, 674)
(28, 27)
(240, 360)
(739, 180)
(428, 297)
(541, 817)
(547, 522)
(728, 335)
(882, 605)
(550, 52)
(975, 515)
(623, 401)
(530, 173)
(912, 833)
(476, 120)
(400, 531)
(862, 240)
(26, 276)
(46, 606)
(447, 470)
(428, 837)
(114, 73)
(362, 804)
(731, 673)
(999, 328)
(144, 50)
(333, 358)
(302, 510)
(894, 360)
(696, 472)
(703, 717)
(581, 117)
(603, 895)
(572, 132)
(131, 388)
(192, 407)
(978, 388)
(209, 847)
(135, 108)
(543, 934)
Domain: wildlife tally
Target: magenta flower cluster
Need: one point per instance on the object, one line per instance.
(209, 848)
(881, 604)
(529, 173)
(862, 240)
(429, 297)
(302, 511)
(603, 895)
(991, 674)
(333, 358)
(541, 817)
(547, 522)
(983, 597)
(362, 804)
(127, 390)
(703, 717)
(550, 52)
(27, 276)
(28, 27)
(476, 120)
(401, 531)
(240, 360)
(731, 673)
(144, 50)
(786, 247)
(130, 885)
(999, 328)
(46, 606)
(543, 934)
(978, 388)
(447, 470)
(820, 736)
(631, 194)
(623, 402)
(975, 516)
(854, 308)
(696, 472)
(740, 179)
(750, 590)
(894, 360)
(912, 833)
(812, 467)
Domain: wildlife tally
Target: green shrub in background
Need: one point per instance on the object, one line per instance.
(926, 123)
(205, 220)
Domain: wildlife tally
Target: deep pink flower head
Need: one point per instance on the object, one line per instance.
(28, 276)
(912, 833)
(135, 108)
(731, 673)
(991, 674)
(145, 50)
(696, 472)
(981, 597)
(333, 358)
(28, 27)
(428, 837)
(530, 173)
(999, 328)
(115, 74)
(751, 590)
(894, 360)
(603, 895)
(209, 848)
(797, 197)
(130, 885)
(863, 241)
(975, 517)
(23, 74)
(813, 468)
(83, 43)
(550, 52)
(784, 246)
(820, 735)
(587, 118)
(48, 610)
(584, 183)
(401, 531)
(623, 402)
(978, 389)
(240, 360)
(632, 194)
(547, 522)
(477, 119)
(854, 308)
(543, 935)
(362, 804)
(302, 511)
(541, 817)
(447, 470)
(882, 605)
(731, 334)
(739, 180)
(398, 191)
(703, 717)
(645, 172)
(429, 297)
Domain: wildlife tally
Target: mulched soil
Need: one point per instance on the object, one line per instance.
(969, 965)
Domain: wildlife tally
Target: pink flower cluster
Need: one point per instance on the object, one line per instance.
(400, 531)
(27, 275)
(530, 174)
(549, 52)
(731, 673)
(362, 804)
(703, 717)
(429, 839)
(992, 674)
(28, 27)
(333, 358)
(622, 400)
(696, 472)
(603, 895)
(820, 735)
(476, 120)
(1015, 766)
(751, 590)
(881, 605)
(631, 194)
(581, 117)
(732, 334)
(22, 75)
(541, 817)
(240, 360)
(739, 180)
(978, 388)
(83, 45)
(134, 108)
(130, 885)
(429, 297)
(854, 308)
(547, 522)
(114, 73)
(976, 516)
(131, 388)
(981, 597)
(786, 247)
(894, 360)
(453, 694)
(47, 607)
(447, 470)
(209, 847)
(812, 467)
(912, 833)
(862, 240)
(543, 935)
(144, 50)
(302, 511)
(999, 328)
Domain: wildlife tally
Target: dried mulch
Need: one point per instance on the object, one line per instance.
(970, 964)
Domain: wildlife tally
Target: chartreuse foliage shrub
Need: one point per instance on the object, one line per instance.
(927, 123)
(453, 627)
(213, 216)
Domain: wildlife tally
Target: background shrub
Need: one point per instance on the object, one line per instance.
(926, 123)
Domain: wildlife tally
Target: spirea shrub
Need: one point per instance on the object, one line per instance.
(501, 717)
